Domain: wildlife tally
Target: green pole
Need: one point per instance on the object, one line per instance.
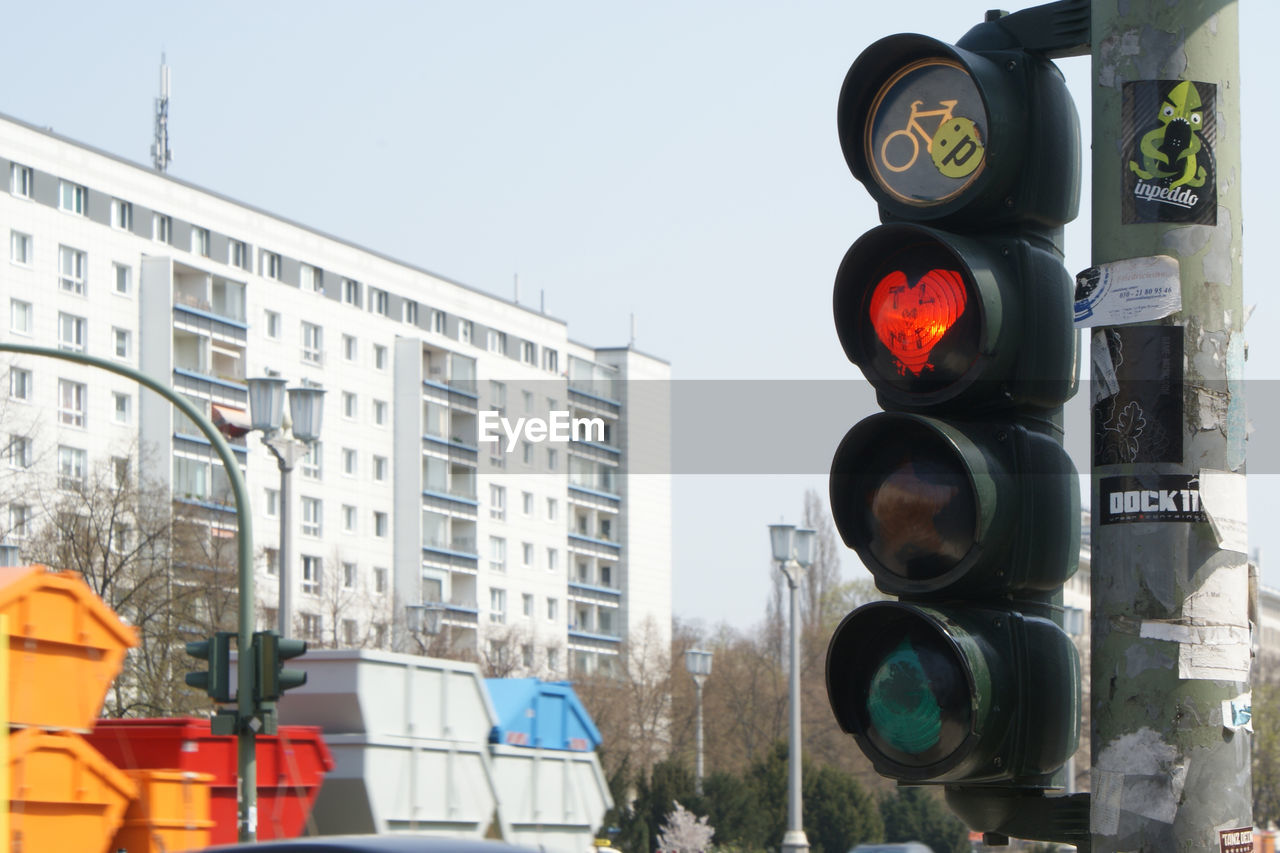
(247, 758)
(1170, 633)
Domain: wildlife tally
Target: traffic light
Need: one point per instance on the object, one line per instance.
(216, 680)
(271, 678)
(959, 497)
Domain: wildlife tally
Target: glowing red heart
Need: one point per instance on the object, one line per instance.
(910, 319)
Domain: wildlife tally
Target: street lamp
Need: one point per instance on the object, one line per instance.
(424, 618)
(266, 414)
(698, 662)
(793, 552)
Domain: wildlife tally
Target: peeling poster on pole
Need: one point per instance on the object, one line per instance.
(1135, 290)
(1142, 421)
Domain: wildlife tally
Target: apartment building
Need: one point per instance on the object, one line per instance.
(547, 550)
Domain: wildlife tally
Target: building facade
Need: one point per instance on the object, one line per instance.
(544, 552)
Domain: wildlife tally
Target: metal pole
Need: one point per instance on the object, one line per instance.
(795, 840)
(1170, 632)
(246, 759)
(697, 681)
(285, 605)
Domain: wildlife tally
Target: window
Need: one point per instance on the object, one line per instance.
(497, 395)
(121, 214)
(122, 407)
(526, 605)
(272, 557)
(349, 514)
(550, 360)
(350, 632)
(312, 343)
(497, 502)
(121, 342)
(19, 383)
(162, 228)
(526, 453)
(528, 352)
(270, 265)
(120, 468)
(273, 324)
(124, 278)
(312, 517)
(553, 659)
(350, 347)
(526, 655)
(71, 332)
(552, 459)
(553, 560)
(466, 330)
(71, 197)
(20, 317)
(553, 609)
(439, 322)
(381, 524)
(350, 291)
(496, 341)
(497, 605)
(606, 575)
(200, 241)
(526, 554)
(379, 412)
(71, 467)
(312, 278)
(527, 397)
(378, 302)
(312, 465)
(379, 580)
(410, 312)
(239, 254)
(349, 462)
(553, 509)
(19, 518)
(526, 503)
(350, 405)
(273, 502)
(19, 451)
(312, 624)
(20, 248)
(71, 270)
(20, 180)
(379, 468)
(379, 357)
(497, 554)
(311, 574)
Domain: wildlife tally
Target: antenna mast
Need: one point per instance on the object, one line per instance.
(160, 153)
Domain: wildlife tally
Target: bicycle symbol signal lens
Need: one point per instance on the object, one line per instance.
(925, 132)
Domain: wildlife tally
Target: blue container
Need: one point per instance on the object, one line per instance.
(544, 714)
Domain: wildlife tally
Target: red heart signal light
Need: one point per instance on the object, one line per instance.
(910, 318)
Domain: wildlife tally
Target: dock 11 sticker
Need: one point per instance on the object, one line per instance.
(1169, 132)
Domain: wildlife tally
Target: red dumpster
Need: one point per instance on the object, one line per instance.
(291, 766)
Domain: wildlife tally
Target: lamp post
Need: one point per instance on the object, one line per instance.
(698, 662)
(793, 552)
(266, 413)
(424, 618)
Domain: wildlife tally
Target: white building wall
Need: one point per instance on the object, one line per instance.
(385, 405)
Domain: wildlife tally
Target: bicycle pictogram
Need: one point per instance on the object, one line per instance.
(913, 130)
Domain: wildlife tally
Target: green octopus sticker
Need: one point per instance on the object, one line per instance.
(1169, 134)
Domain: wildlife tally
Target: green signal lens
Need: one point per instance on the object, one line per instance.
(901, 703)
(914, 695)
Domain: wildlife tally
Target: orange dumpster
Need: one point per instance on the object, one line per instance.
(171, 813)
(64, 794)
(65, 648)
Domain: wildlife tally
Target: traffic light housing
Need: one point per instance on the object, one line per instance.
(959, 497)
(216, 680)
(271, 677)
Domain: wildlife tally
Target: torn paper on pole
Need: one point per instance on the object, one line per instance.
(1134, 290)
(1223, 497)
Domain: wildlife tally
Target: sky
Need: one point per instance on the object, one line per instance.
(672, 162)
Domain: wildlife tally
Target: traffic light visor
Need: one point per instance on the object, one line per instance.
(902, 497)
